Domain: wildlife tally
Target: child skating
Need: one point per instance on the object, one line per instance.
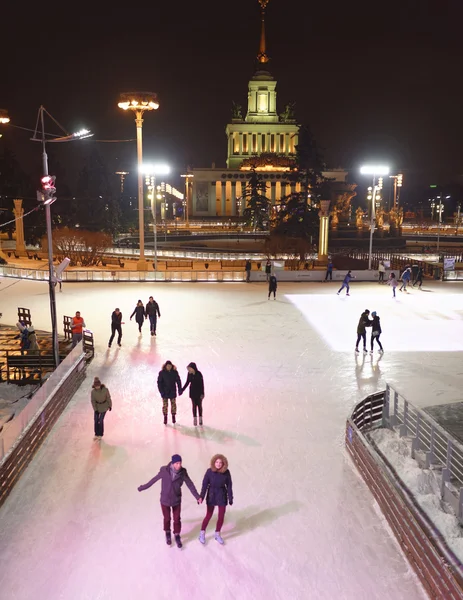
(392, 281)
(218, 491)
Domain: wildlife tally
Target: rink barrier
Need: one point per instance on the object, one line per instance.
(21, 438)
(435, 564)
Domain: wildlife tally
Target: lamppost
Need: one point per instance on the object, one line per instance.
(47, 196)
(398, 182)
(139, 102)
(188, 177)
(150, 172)
(375, 171)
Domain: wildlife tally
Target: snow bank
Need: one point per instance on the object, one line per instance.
(423, 484)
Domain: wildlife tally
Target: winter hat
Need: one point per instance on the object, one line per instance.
(373, 314)
(96, 382)
(176, 458)
(193, 366)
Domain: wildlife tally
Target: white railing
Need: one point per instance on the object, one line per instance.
(431, 441)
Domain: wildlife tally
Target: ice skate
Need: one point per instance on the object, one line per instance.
(218, 537)
(202, 536)
(365, 351)
(168, 538)
(381, 351)
(201, 421)
(347, 294)
(195, 421)
(371, 351)
(173, 419)
(165, 419)
(356, 351)
(178, 541)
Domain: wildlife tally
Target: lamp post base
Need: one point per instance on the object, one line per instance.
(142, 265)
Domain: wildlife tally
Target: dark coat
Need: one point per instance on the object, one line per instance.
(152, 309)
(272, 284)
(268, 268)
(196, 383)
(139, 312)
(347, 279)
(171, 494)
(376, 326)
(116, 319)
(364, 322)
(248, 265)
(168, 381)
(217, 485)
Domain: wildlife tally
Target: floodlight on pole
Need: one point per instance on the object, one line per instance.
(375, 171)
(139, 102)
(155, 169)
(4, 118)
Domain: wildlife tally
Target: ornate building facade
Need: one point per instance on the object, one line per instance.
(263, 139)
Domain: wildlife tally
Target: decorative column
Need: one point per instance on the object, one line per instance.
(233, 198)
(324, 214)
(18, 214)
(273, 192)
(240, 143)
(223, 198)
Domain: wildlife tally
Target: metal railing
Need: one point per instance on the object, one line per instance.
(436, 445)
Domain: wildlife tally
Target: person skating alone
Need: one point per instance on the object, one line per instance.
(419, 278)
(218, 490)
(329, 271)
(268, 269)
(196, 382)
(172, 477)
(152, 313)
(101, 403)
(363, 323)
(139, 312)
(272, 287)
(247, 268)
(168, 383)
(345, 283)
(116, 325)
(77, 325)
(405, 279)
(392, 281)
(376, 332)
(381, 272)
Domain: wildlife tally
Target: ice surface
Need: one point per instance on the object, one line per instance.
(279, 387)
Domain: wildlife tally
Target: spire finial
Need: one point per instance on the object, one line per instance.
(262, 57)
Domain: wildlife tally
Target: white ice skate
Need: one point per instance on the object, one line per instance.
(202, 536)
(218, 537)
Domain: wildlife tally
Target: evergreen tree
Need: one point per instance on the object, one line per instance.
(97, 205)
(256, 213)
(296, 218)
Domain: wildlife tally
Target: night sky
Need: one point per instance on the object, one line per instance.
(374, 80)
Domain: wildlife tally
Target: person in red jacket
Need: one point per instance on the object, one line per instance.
(77, 325)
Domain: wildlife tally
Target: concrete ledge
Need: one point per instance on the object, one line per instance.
(436, 566)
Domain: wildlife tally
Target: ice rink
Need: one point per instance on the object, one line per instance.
(281, 377)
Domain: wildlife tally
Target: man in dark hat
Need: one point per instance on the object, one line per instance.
(172, 477)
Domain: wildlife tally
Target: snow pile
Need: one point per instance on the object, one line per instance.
(13, 399)
(423, 485)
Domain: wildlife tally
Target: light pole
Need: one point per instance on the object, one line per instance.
(375, 171)
(47, 195)
(187, 177)
(150, 172)
(139, 102)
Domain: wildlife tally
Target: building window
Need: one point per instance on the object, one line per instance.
(282, 142)
(254, 142)
(263, 142)
(262, 102)
(272, 143)
(245, 143)
(236, 145)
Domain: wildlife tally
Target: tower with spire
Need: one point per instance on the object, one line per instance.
(260, 139)
(262, 130)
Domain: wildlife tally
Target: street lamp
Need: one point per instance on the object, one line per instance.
(187, 177)
(375, 171)
(4, 118)
(398, 183)
(150, 172)
(139, 102)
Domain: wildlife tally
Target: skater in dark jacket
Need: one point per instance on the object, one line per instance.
(376, 332)
(364, 322)
(139, 312)
(419, 278)
(116, 322)
(272, 286)
(168, 383)
(196, 382)
(218, 491)
(152, 312)
(268, 269)
(172, 477)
